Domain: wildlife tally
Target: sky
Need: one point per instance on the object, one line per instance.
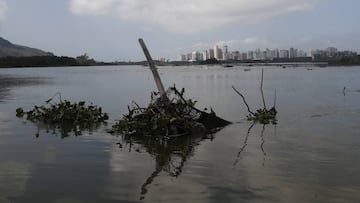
(108, 30)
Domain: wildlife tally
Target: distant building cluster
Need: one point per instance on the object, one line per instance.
(331, 53)
(259, 54)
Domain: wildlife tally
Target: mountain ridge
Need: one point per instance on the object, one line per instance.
(9, 49)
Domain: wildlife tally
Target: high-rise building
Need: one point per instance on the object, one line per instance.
(301, 53)
(211, 53)
(293, 53)
(250, 55)
(196, 56)
(218, 53)
(182, 57)
(205, 55)
(226, 54)
(235, 55)
(244, 56)
(284, 53)
(331, 51)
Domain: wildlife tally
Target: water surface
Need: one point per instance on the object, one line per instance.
(312, 155)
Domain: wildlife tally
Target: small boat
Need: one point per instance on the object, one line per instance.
(247, 69)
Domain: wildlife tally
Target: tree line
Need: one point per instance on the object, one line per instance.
(43, 61)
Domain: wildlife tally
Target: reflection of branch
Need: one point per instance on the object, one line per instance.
(170, 156)
(148, 182)
(246, 141)
(263, 142)
(244, 144)
(172, 169)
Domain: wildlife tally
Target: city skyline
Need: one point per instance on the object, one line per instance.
(261, 53)
(108, 29)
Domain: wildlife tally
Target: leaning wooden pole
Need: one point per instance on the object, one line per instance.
(261, 87)
(153, 69)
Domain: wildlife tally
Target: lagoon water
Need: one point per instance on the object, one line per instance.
(311, 155)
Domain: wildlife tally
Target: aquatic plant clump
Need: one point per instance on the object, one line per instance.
(264, 116)
(169, 116)
(66, 115)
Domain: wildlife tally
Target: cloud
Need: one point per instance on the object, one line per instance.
(248, 43)
(256, 41)
(190, 16)
(3, 8)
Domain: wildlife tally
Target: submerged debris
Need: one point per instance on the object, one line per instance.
(262, 115)
(169, 116)
(66, 116)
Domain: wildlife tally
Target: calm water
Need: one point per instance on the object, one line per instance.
(312, 155)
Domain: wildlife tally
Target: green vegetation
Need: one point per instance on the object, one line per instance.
(47, 61)
(37, 61)
(209, 61)
(263, 116)
(346, 61)
(66, 116)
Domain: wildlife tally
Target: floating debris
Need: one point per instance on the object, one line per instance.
(172, 116)
(262, 115)
(169, 114)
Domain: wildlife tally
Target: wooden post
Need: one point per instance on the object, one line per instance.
(261, 87)
(153, 69)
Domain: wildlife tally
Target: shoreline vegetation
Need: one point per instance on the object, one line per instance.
(84, 60)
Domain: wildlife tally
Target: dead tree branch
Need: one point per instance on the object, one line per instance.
(242, 96)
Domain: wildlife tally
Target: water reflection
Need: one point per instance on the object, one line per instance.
(66, 130)
(311, 158)
(7, 82)
(16, 175)
(262, 144)
(170, 155)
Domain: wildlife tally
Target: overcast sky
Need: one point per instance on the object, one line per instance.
(108, 29)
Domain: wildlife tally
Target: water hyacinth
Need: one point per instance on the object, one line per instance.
(66, 115)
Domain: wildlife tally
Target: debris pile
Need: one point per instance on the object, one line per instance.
(168, 116)
(264, 116)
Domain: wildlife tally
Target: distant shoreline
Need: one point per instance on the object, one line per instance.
(56, 61)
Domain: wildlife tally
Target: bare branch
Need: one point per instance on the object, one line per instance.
(242, 96)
